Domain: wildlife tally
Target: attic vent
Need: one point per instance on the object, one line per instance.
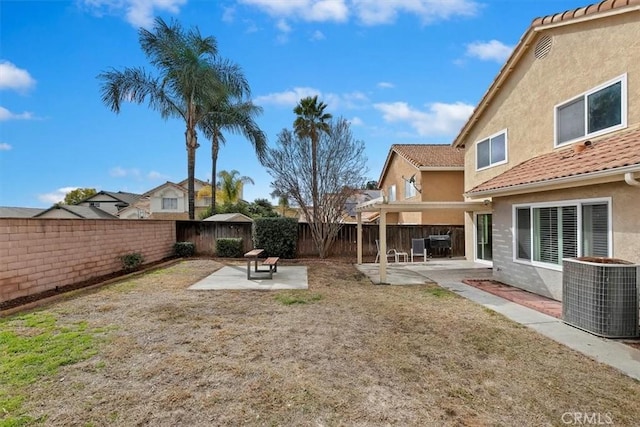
(543, 47)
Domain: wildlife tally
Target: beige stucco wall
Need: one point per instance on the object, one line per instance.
(435, 186)
(583, 56)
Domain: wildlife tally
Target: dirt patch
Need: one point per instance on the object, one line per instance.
(351, 354)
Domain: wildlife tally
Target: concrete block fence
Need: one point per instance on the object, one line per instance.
(37, 255)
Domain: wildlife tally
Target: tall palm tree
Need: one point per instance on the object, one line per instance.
(311, 120)
(187, 76)
(231, 185)
(236, 118)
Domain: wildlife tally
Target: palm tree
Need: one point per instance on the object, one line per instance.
(187, 76)
(311, 120)
(231, 185)
(236, 118)
(283, 199)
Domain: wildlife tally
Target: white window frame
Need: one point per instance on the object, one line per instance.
(168, 209)
(391, 197)
(623, 112)
(558, 204)
(488, 140)
(409, 190)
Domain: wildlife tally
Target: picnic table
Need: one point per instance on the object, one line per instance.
(253, 256)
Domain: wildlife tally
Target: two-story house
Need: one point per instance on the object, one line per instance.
(424, 173)
(554, 144)
(169, 201)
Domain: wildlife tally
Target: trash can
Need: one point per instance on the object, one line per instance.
(600, 295)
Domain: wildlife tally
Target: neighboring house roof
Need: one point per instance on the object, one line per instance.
(573, 16)
(360, 197)
(86, 212)
(182, 186)
(229, 217)
(185, 182)
(615, 154)
(17, 212)
(128, 198)
(166, 184)
(426, 157)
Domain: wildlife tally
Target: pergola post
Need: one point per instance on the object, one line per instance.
(359, 236)
(383, 246)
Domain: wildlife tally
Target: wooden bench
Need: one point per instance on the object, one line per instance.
(253, 255)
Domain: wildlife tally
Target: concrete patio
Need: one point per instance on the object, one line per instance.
(235, 277)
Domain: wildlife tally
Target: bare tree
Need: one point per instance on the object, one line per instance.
(341, 170)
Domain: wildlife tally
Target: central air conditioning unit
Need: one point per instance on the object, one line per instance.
(600, 295)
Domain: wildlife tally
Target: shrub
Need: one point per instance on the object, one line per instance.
(277, 236)
(132, 261)
(184, 249)
(229, 247)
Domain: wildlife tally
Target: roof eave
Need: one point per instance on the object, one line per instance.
(599, 177)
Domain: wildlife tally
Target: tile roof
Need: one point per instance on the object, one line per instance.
(128, 198)
(607, 154)
(430, 155)
(579, 12)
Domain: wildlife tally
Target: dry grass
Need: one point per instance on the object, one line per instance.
(344, 352)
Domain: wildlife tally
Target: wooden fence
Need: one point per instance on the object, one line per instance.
(205, 233)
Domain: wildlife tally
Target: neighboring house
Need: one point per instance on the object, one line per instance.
(424, 173)
(75, 212)
(554, 144)
(110, 201)
(361, 196)
(140, 209)
(170, 200)
(17, 212)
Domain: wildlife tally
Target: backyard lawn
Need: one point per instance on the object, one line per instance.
(146, 351)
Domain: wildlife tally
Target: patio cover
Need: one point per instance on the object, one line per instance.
(383, 207)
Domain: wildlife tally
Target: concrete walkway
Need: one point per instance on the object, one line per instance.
(449, 274)
(235, 277)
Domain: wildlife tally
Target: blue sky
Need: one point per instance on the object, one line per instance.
(403, 71)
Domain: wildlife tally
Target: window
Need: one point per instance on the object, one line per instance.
(546, 234)
(409, 189)
(392, 193)
(169, 203)
(491, 151)
(94, 204)
(598, 111)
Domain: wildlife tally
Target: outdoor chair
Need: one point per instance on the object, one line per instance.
(391, 253)
(418, 249)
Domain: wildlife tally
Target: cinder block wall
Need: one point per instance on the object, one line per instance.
(39, 254)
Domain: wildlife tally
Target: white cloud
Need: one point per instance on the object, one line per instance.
(120, 172)
(228, 14)
(439, 119)
(55, 196)
(306, 10)
(5, 147)
(8, 115)
(376, 12)
(290, 98)
(14, 78)
(493, 50)
(385, 85)
(317, 36)
(283, 26)
(139, 13)
(369, 12)
(156, 176)
(356, 121)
